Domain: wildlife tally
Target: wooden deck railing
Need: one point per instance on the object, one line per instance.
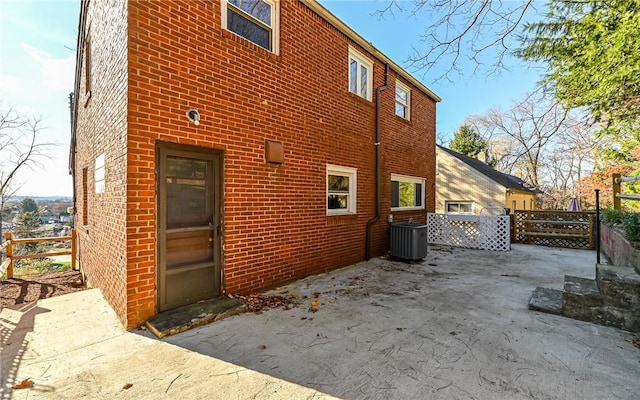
(617, 189)
(556, 228)
(10, 242)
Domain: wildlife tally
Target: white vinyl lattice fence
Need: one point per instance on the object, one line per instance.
(485, 232)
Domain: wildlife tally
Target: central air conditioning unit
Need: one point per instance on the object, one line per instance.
(408, 241)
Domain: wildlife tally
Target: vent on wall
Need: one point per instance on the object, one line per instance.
(408, 241)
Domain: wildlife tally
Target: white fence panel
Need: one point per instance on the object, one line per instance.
(485, 232)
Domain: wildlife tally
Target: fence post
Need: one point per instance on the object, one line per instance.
(598, 226)
(9, 237)
(74, 249)
(616, 191)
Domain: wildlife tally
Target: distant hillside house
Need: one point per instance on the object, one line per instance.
(466, 185)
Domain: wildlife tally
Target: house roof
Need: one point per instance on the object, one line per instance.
(506, 180)
(353, 35)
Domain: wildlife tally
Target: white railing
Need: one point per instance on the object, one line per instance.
(485, 232)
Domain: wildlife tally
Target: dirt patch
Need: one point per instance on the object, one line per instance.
(23, 290)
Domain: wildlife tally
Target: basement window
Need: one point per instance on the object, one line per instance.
(459, 207)
(254, 20)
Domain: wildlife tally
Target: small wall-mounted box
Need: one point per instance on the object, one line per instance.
(71, 210)
(274, 152)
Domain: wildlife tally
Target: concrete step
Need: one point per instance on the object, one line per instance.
(621, 318)
(546, 300)
(191, 316)
(619, 286)
(580, 293)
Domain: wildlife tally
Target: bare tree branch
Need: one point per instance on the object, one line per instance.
(21, 147)
(538, 139)
(463, 30)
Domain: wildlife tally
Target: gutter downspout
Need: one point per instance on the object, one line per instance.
(72, 148)
(376, 218)
(73, 101)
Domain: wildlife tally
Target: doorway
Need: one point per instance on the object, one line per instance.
(189, 230)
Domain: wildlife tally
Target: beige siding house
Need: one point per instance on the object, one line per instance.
(466, 185)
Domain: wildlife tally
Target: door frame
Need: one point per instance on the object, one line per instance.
(163, 149)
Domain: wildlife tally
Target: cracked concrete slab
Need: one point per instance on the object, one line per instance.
(454, 326)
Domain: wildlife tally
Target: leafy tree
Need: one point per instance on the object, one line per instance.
(593, 54)
(468, 141)
(28, 205)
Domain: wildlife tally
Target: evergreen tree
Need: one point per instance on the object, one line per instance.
(467, 141)
(28, 205)
(593, 54)
(26, 227)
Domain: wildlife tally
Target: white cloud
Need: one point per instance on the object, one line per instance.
(55, 73)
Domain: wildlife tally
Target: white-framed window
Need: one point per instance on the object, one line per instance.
(407, 192)
(99, 173)
(459, 207)
(360, 74)
(341, 190)
(403, 100)
(254, 20)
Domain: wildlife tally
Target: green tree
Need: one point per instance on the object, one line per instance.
(593, 54)
(27, 226)
(28, 205)
(468, 141)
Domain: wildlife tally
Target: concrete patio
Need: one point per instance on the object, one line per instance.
(454, 326)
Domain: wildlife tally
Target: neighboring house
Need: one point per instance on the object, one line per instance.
(232, 146)
(466, 185)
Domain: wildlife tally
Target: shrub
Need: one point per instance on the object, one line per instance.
(612, 217)
(631, 225)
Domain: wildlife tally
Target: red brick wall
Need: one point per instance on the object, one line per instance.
(102, 128)
(275, 223)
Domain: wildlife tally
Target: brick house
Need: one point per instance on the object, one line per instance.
(466, 185)
(231, 146)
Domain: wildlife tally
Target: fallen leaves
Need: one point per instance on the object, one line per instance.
(257, 302)
(634, 341)
(127, 386)
(26, 383)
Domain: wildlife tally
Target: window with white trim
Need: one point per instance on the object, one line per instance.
(99, 173)
(254, 20)
(403, 100)
(459, 207)
(407, 192)
(360, 74)
(341, 190)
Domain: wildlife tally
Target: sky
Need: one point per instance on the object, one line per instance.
(37, 64)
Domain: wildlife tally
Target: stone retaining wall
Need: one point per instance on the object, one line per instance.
(618, 250)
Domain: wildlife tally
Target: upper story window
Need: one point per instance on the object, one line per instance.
(341, 190)
(459, 207)
(254, 20)
(407, 192)
(403, 100)
(360, 74)
(87, 65)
